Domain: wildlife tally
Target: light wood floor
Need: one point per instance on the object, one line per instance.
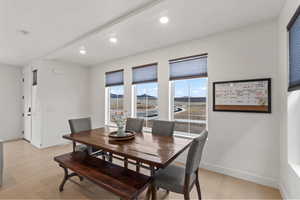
(31, 173)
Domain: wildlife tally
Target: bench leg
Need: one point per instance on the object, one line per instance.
(61, 187)
(66, 177)
(74, 174)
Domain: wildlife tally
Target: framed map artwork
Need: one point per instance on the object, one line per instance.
(243, 96)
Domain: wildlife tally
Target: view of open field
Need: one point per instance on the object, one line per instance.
(190, 115)
(189, 104)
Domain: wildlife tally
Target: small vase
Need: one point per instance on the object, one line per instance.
(120, 131)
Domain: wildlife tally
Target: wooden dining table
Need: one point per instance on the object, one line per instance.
(152, 150)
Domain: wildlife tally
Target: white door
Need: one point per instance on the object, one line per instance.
(27, 75)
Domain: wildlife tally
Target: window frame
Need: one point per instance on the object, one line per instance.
(108, 122)
(172, 103)
(172, 93)
(134, 102)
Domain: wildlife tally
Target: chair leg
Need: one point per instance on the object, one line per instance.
(198, 185)
(166, 194)
(198, 189)
(153, 192)
(186, 196)
(148, 193)
(186, 189)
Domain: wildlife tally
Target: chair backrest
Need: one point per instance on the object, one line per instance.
(195, 153)
(163, 128)
(79, 125)
(134, 124)
(1, 162)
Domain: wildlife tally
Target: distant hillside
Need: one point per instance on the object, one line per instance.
(178, 99)
(146, 96)
(139, 97)
(116, 96)
(192, 99)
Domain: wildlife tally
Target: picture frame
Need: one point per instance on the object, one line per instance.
(250, 95)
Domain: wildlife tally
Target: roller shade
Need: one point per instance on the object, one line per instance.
(294, 53)
(188, 67)
(144, 74)
(114, 78)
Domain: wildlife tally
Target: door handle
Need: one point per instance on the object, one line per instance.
(28, 115)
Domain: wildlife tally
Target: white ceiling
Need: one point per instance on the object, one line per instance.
(60, 27)
(52, 23)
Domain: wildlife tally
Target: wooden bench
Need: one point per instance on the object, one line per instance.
(123, 182)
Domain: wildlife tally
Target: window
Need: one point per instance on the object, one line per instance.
(114, 94)
(145, 93)
(189, 84)
(294, 52)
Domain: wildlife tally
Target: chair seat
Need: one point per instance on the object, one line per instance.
(172, 178)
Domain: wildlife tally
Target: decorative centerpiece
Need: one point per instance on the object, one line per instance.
(120, 120)
(121, 134)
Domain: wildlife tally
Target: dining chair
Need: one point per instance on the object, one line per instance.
(163, 128)
(79, 125)
(134, 124)
(1, 163)
(179, 179)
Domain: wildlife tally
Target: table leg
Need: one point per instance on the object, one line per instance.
(126, 163)
(153, 188)
(110, 157)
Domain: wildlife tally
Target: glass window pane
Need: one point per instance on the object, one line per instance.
(197, 128)
(147, 104)
(182, 126)
(190, 105)
(115, 100)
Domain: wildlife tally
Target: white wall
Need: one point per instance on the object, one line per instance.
(290, 113)
(63, 93)
(10, 102)
(244, 145)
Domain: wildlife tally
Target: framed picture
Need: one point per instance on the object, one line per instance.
(243, 96)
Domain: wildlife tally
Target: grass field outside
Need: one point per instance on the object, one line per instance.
(190, 117)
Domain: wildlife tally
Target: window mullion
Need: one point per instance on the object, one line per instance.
(189, 108)
(146, 108)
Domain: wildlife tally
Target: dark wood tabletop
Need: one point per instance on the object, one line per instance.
(157, 151)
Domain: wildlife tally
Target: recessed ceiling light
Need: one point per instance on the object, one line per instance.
(23, 32)
(113, 40)
(82, 51)
(164, 20)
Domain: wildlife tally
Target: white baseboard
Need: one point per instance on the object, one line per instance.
(241, 175)
(283, 191)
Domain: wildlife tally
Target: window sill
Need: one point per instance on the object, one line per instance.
(176, 133)
(296, 168)
(185, 135)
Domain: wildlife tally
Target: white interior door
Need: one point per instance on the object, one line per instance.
(27, 74)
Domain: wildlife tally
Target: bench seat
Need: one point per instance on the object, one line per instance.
(123, 182)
